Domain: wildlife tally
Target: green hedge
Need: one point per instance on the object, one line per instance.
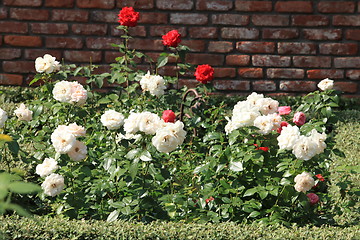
(55, 228)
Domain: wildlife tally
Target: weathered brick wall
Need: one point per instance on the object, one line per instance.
(265, 46)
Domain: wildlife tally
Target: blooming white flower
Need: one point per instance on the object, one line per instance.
(170, 137)
(288, 137)
(53, 184)
(76, 130)
(155, 84)
(3, 118)
(267, 123)
(304, 182)
(23, 113)
(78, 151)
(47, 167)
(253, 98)
(62, 91)
(326, 84)
(230, 126)
(112, 119)
(149, 122)
(46, 64)
(267, 105)
(305, 148)
(319, 138)
(63, 141)
(78, 93)
(244, 114)
(131, 124)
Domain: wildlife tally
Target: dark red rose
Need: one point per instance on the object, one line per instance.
(171, 39)
(299, 118)
(313, 198)
(128, 17)
(320, 177)
(204, 73)
(168, 116)
(282, 124)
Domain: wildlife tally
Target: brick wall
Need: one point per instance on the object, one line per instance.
(266, 46)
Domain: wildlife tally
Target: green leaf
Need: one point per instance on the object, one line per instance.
(133, 153)
(162, 61)
(18, 209)
(263, 194)
(13, 147)
(285, 181)
(254, 214)
(113, 216)
(145, 156)
(236, 166)
(134, 168)
(23, 187)
(250, 192)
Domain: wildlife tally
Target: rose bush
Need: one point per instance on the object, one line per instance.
(124, 155)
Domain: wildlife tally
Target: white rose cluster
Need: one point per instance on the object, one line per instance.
(64, 141)
(3, 118)
(304, 182)
(23, 113)
(154, 84)
(70, 92)
(303, 147)
(256, 111)
(47, 64)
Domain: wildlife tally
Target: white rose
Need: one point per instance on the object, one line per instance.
(3, 118)
(326, 84)
(164, 140)
(131, 124)
(305, 148)
(288, 137)
(267, 123)
(229, 127)
(23, 113)
(78, 152)
(267, 105)
(78, 93)
(63, 141)
(112, 119)
(47, 167)
(53, 184)
(149, 122)
(155, 84)
(76, 130)
(46, 64)
(319, 139)
(304, 182)
(253, 98)
(62, 91)
(244, 114)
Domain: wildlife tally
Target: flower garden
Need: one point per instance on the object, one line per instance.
(146, 151)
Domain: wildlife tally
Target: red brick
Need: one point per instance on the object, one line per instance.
(296, 48)
(23, 41)
(194, 45)
(250, 72)
(347, 87)
(294, 6)
(213, 5)
(353, 34)
(70, 15)
(298, 86)
(312, 61)
(270, 20)
(353, 74)
(310, 20)
(231, 85)
(23, 3)
(343, 20)
(89, 29)
(238, 60)
(255, 47)
(230, 19)
(336, 7)
(82, 56)
(203, 32)
(18, 66)
(253, 6)
(154, 18)
(59, 3)
(64, 42)
(347, 62)
(292, 73)
(167, 71)
(325, 73)
(146, 44)
(3, 13)
(240, 33)
(13, 27)
(220, 46)
(49, 28)
(271, 61)
(102, 42)
(190, 83)
(138, 31)
(322, 34)
(11, 79)
(143, 4)
(203, 58)
(9, 53)
(338, 48)
(175, 4)
(224, 72)
(32, 54)
(264, 86)
(29, 14)
(162, 30)
(188, 18)
(280, 33)
(103, 4)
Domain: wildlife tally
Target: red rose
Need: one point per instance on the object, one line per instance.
(265, 149)
(320, 177)
(313, 198)
(282, 124)
(128, 17)
(284, 110)
(204, 73)
(168, 116)
(172, 38)
(209, 199)
(299, 118)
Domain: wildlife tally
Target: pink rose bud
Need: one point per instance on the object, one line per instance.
(299, 118)
(284, 110)
(313, 198)
(282, 124)
(168, 116)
